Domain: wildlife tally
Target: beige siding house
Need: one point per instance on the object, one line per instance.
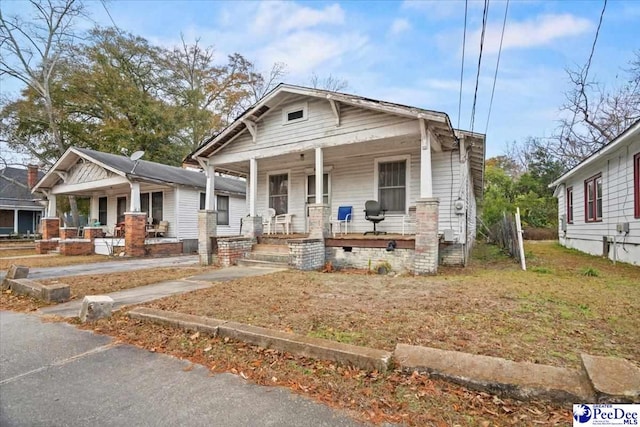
(304, 149)
(599, 201)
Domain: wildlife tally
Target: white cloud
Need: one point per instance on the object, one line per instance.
(539, 31)
(398, 26)
(283, 17)
(440, 9)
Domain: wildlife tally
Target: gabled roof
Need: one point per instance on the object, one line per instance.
(621, 139)
(144, 171)
(14, 190)
(443, 130)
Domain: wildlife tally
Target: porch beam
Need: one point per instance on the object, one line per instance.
(63, 175)
(319, 176)
(252, 127)
(210, 198)
(135, 197)
(335, 107)
(435, 142)
(253, 185)
(426, 179)
(89, 186)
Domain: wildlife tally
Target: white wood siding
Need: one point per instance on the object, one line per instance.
(237, 210)
(187, 206)
(617, 206)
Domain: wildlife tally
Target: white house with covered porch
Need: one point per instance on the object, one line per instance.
(305, 152)
(168, 197)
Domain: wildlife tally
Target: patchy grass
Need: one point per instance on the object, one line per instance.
(53, 261)
(96, 284)
(6, 253)
(491, 308)
(408, 399)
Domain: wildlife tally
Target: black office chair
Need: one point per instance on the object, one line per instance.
(373, 212)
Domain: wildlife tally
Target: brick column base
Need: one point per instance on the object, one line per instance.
(319, 224)
(135, 232)
(50, 228)
(426, 252)
(231, 249)
(68, 233)
(206, 230)
(92, 232)
(252, 226)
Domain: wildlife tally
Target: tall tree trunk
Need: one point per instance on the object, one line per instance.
(73, 205)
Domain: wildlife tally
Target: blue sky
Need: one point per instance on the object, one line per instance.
(409, 51)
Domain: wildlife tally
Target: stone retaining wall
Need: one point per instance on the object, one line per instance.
(231, 249)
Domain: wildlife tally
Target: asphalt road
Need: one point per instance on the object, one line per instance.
(52, 374)
(117, 266)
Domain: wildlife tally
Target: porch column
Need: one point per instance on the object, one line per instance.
(94, 210)
(319, 224)
(135, 233)
(15, 221)
(52, 206)
(206, 232)
(426, 253)
(253, 185)
(135, 197)
(319, 176)
(426, 180)
(210, 198)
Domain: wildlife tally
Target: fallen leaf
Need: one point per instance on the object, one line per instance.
(208, 349)
(194, 336)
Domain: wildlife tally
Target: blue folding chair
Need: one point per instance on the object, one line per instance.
(344, 217)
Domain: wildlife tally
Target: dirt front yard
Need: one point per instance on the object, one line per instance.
(566, 304)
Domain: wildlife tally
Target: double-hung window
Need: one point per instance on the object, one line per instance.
(570, 205)
(392, 185)
(223, 210)
(279, 193)
(102, 210)
(593, 198)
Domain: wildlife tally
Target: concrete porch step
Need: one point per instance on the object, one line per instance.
(245, 262)
(270, 248)
(269, 257)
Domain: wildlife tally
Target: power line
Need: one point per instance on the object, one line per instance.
(464, 42)
(104, 5)
(495, 76)
(485, 13)
(595, 39)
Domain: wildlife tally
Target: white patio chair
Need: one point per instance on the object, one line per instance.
(268, 221)
(285, 221)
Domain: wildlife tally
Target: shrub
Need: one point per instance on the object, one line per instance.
(590, 272)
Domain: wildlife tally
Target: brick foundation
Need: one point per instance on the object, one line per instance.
(50, 228)
(306, 254)
(135, 232)
(161, 249)
(401, 260)
(452, 254)
(231, 249)
(426, 253)
(206, 230)
(73, 247)
(46, 246)
(68, 233)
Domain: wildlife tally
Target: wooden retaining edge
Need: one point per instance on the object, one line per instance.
(317, 348)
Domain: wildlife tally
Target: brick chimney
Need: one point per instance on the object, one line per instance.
(32, 176)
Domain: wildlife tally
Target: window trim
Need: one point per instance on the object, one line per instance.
(304, 106)
(407, 178)
(228, 211)
(280, 172)
(306, 187)
(636, 185)
(594, 180)
(569, 206)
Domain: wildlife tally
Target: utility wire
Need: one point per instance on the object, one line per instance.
(595, 39)
(464, 42)
(495, 76)
(485, 13)
(104, 5)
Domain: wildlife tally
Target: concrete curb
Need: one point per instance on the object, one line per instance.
(361, 357)
(522, 380)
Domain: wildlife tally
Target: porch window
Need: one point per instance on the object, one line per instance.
(144, 204)
(311, 189)
(593, 199)
(121, 208)
(570, 205)
(203, 200)
(392, 185)
(102, 210)
(223, 210)
(156, 206)
(278, 193)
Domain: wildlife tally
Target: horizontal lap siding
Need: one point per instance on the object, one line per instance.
(237, 210)
(618, 198)
(169, 211)
(321, 123)
(188, 204)
(446, 185)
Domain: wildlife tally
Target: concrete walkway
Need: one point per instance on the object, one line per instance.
(160, 290)
(116, 266)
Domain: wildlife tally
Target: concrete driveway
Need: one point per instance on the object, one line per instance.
(52, 374)
(117, 266)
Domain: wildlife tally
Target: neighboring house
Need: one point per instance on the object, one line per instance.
(599, 200)
(20, 210)
(115, 184)
(360, 149)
